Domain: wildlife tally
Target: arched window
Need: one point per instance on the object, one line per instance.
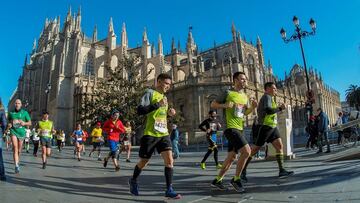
(88, 65)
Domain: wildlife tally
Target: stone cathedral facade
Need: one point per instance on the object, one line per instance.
(65, 65)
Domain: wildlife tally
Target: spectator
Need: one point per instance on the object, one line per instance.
(175, 141)
(312, 130)
(339, 121)
(323, 127)
(3, 125)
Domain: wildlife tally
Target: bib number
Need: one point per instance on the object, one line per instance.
(239, 111)
(160, 125)
(126, 142)
(16, 124)
(99, 139)
(213, 126)
(45, 133)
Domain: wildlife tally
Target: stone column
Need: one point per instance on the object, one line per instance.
(285, 129)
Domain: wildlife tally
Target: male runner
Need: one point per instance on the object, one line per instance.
(235, 102)
(156, 136)
(267, 131)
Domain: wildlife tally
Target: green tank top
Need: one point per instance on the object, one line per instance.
(45, 128)
(235, 115)
(271, 119)
(156, 121)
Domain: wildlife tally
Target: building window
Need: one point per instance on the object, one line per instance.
(88, 65)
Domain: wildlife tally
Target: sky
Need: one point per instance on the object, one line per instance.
(334, 50)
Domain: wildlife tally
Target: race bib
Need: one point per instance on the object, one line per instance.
(239, 111)
(213, 126)
(160, 125)
(99, 139)
(16, 124)
(126, 142)
(45, 133)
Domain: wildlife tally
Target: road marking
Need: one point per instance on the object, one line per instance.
(241, 201)
(198, 200)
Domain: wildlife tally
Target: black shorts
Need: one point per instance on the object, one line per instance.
(45, 142)
(149, 143)
(211, 143)
(236, 139)
(263, 133)
(97, 144)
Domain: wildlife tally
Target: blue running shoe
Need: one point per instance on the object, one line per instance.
(134, 188)
(171, 194)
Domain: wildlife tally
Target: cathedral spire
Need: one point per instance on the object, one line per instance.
(145, 38)
(160, 46)
(34, 46)
(320, 76)
(78, 20)
(179, 46)
(258, 41)
(172, 45)
(190, 46)
(111, 26)
(233, 29)
(124, 40)
(94, 37)
(190, 39)
(46, 22)
(68, 17)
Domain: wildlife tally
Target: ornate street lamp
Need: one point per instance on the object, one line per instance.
(298, 35)
(47, 91)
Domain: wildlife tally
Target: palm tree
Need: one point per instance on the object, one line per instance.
(353, 96)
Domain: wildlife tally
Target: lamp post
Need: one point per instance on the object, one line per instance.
(299, 34)
(47, 91)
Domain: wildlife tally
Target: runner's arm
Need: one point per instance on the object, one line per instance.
(203, 126)
(268, 106)
(145, 106)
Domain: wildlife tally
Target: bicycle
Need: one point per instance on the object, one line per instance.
(349, 137)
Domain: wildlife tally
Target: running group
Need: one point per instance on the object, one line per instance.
(154, 106)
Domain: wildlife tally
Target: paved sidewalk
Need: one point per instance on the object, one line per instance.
(68, 180)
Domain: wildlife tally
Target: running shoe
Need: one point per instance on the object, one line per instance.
(202, 166)
(99, 159)
(134, 188)
(44, 165)
(218, 184)
(284, 173)
(117, 168)
(105, 162)
(219, 166)
(171, 194)
(237, 185)
(128, 160)
(17, 169)
(243, 177)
